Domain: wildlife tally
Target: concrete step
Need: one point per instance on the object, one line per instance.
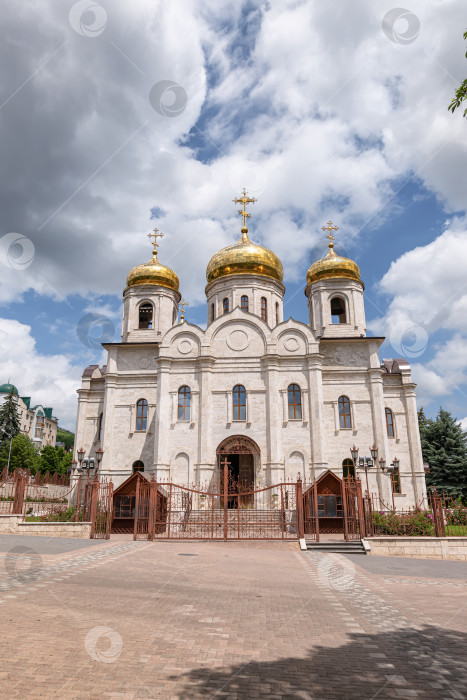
(352, 547)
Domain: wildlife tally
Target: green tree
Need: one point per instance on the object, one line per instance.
(9, 418)
(24, 455)
(461, 92)
(444, 447)
(50, 459)
(66, 437)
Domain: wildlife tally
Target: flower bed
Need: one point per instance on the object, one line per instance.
(416, 523)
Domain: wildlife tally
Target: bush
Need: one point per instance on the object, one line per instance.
(417, 522)
(457, 515)
(57, 515)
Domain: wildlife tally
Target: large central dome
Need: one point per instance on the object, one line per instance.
(244, 258)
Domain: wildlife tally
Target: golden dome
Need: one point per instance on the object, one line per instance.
(153, 272)
(244, 258)
(332, 265)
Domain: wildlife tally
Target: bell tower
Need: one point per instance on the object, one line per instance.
(150, 299)
(335, 295)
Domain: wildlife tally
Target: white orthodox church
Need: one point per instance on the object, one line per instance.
(277, 397)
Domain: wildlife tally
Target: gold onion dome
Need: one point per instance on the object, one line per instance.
(333, 265)
(244, 257)
(153, 272)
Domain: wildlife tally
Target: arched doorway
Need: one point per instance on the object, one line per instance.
(243, 455)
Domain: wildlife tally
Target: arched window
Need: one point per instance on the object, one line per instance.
(277, 313)
(239, 402)
(213, 313)
(338, 314)
(138, 466)
(295, 402)
(348, 469)
(396, 481)
(389, 422)
(345, 418)
(184, 403)
(244, 303)
(145, 315)
(264, 309)
(141, 414)
(225, 306)
(99, 427)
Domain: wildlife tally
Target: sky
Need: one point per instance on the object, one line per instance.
(116, 117)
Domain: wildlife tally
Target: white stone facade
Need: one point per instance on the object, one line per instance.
(325, 360)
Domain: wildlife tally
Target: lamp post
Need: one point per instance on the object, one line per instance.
(99, 455)
(80, 454)
(389, 470)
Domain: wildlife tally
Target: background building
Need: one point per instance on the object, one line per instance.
(36, 422)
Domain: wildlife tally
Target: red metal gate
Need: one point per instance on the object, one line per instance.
(310, 513)
(354, 515)
(230, 511)
(94, 500)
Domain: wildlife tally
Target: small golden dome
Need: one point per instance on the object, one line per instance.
(333, 266)
(153, 272)
(244, 258)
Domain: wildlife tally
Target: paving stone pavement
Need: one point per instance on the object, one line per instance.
(127, 620)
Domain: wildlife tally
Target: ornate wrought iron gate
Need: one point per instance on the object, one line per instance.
(228, 511)
(354, 514)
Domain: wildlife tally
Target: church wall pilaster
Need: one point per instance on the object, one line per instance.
(161, 465)
(272, 462)
(206, 461)
(316, 415)
(415, 448)
(379, 430)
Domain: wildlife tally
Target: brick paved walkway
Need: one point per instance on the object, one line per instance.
(124, 620)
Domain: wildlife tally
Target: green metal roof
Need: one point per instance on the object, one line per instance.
(6, 388)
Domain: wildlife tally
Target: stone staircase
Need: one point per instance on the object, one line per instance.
(337, 547)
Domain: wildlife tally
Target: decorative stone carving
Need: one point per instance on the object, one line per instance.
(144, 362)
(238, 340)
(291, 344)
(346, 357)
(185, 346)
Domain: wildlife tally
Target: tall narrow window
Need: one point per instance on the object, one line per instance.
(145, 315)
(213, 313)
(277, 313)
(396, 481)
(99, 427)
(345, 418)
(348, 469)
(264, 309)
(184, 403)
(141, 414)
(239, 402)
(295, 402)
(338, 310)
(244, 303)
(389, 422)
(225, 306)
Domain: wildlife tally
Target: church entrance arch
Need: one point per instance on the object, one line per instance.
(243, 457)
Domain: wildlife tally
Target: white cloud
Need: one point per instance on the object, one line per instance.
(50, 380)
(463, 423)
(324, 109)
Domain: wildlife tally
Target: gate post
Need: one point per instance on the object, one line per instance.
(438, 514)
(110, 505)
(93, 511)
(18, 500)
(344, 506)
(361, 510)
(299, 513)
(152, 510)
(135, 529)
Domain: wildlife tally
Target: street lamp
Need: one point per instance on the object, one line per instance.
(389, 470)
(99, 455)
(374, 453)
(80, 454)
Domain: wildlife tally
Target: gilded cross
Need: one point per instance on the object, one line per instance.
(155, 235)
(330, 228)
(244, 200)
(183, 304)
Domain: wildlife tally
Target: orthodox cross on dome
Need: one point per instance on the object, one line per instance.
(183, 303)
(155, 235)
(244, 199)
(329, 235)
